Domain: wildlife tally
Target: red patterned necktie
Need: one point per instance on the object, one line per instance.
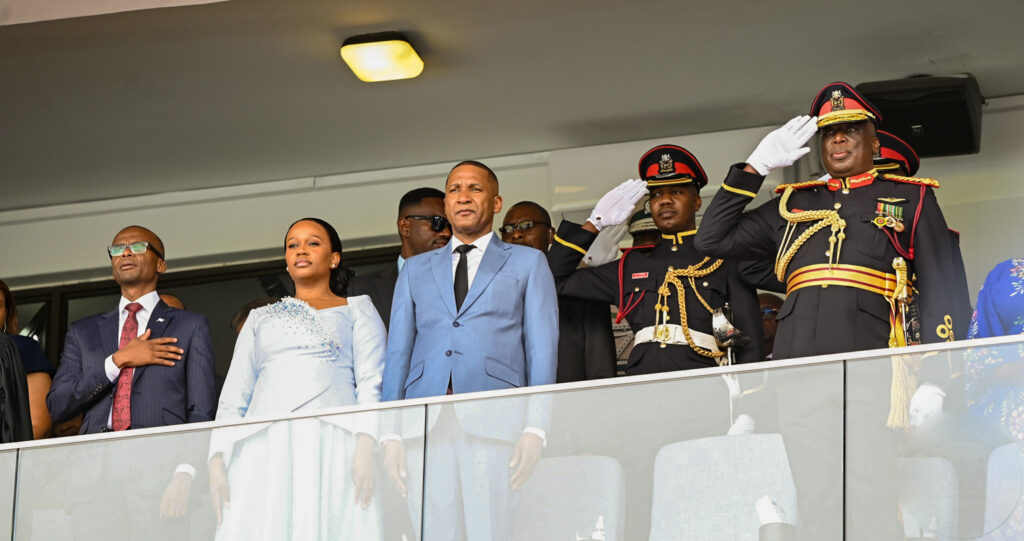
(121, 414)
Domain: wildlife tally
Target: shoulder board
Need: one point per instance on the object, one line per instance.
(801, 185)
(912, 180)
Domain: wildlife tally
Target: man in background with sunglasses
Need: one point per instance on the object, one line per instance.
(143, 364)
(422, 227)
(585, 346)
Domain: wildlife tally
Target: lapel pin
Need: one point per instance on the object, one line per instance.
(159, 320)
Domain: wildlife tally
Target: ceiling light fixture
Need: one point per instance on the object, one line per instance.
(383, 56)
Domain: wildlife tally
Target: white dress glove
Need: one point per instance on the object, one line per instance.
(926, 405)
(783, 146)
(617, 205)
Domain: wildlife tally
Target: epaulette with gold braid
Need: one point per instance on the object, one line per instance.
(912, 180)
(801, 185)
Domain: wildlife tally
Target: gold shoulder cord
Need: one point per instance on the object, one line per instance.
(661, 309)
(825, 218)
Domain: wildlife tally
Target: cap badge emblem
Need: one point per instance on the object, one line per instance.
(666, 166)
(838, 102)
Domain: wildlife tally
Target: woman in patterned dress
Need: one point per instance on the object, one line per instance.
(995, 375)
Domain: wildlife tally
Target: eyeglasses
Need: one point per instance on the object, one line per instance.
(522, 227)
(768, 313)
(136, 247)
(437, 223)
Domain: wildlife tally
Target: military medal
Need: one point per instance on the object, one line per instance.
(889, 215)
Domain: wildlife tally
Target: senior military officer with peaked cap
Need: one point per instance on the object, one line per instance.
(668, 294)
(874, 233)
(867, 263)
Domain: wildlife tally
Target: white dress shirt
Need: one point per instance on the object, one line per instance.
(473, 257)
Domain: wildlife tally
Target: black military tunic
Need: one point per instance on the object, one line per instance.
(636, 295)
(818, 320)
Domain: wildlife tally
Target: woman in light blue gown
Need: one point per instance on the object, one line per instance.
(303, 479)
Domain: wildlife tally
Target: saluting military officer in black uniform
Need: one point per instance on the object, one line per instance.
(863, 220)
(667, 338)
(636, 283)
(867, 263)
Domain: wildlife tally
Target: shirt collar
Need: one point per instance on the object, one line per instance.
(401, 263)
(148, 302)
(677, 238)
(856, 181)
(480, 243)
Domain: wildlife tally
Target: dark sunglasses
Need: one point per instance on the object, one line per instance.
(437, 223)
(136, 247)
(768, 313)
(522, 227)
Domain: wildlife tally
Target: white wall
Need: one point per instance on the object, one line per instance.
(982, 196)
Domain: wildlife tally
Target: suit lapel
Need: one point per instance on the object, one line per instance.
(108, 331)
(158, 322)
(494, 258)
(442, 267)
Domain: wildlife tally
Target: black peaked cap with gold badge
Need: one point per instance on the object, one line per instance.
(894, 153)
(667, 165)
(839, 102)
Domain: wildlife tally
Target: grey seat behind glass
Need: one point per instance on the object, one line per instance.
(566, 495)
(706, 489)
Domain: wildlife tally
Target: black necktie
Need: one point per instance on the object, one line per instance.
(462, 275)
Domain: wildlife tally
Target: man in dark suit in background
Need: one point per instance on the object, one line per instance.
(585, 346)
(142, 365)
(422, 227)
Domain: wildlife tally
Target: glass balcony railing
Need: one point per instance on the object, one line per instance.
(834, 447)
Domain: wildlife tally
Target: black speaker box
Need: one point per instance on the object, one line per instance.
(938, 116)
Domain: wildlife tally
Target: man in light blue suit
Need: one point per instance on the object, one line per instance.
(476, 315)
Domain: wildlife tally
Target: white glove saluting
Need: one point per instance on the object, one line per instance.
(617, 205)
(784, 146)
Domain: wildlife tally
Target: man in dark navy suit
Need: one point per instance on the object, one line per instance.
(142, 365)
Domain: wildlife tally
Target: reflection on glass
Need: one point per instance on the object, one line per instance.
(944, 467)
(642, 461)
(129, 488)
(292, 479)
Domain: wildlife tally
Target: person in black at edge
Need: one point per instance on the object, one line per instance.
(15, 423)
(880, 244)
(650, 288)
